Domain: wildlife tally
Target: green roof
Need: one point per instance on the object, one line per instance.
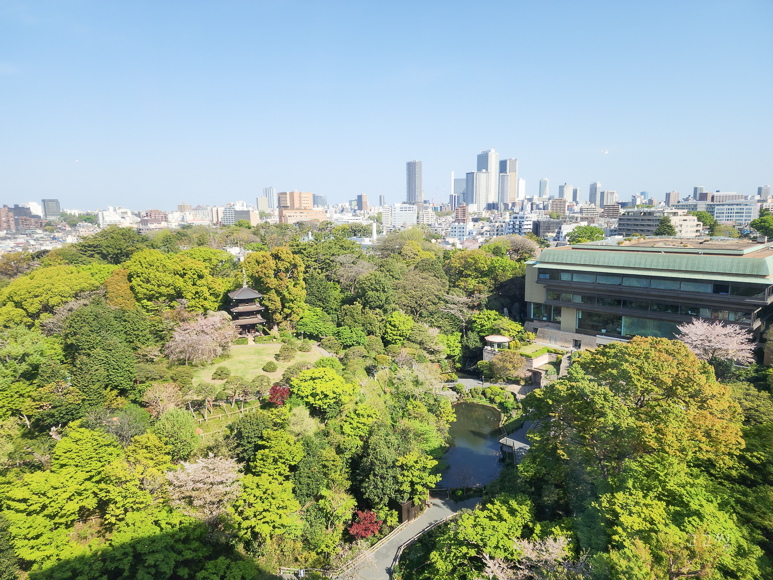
(746, 269)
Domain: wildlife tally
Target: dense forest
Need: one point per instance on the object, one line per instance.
(140, 437)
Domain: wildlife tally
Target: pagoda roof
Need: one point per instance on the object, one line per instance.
(247, 321)
(247, 308)
(244, 293)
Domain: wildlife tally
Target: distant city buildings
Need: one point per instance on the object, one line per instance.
(295, 200)
(362, 202)
(413, 191)
(509, 167)
(558, 206)
(381, 200)
(593, 194)
(576, 195)
(184, 207)
(51, 208)
(645, 221)
(672, 198)
(544, 187)
(292, 216)
(399, 215)
(763, 192)
(488, 161)
(565, 191)
(319, 200)
(270, 194)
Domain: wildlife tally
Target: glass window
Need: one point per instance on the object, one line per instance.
(543, 276)
(605, 279)
(668, 308)
(633, 326)
(566, 276)
(548, 275)
(554, 296)
(695, 311)
(636, 304)
(556, 314)
(747, 290)
(741, 317)
(720, 315)
(539, 311)
(721, 288)
(614, 302)
(636, 282)
(661, 284)
(577, 298)
(588, 299)
(590, 278)
(696, 286)
(600, 323)
(566, 297)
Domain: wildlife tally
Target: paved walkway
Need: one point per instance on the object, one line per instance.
(379, 565)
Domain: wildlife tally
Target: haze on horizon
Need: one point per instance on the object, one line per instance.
(148, 104)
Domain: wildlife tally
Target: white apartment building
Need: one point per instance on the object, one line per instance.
(460, 230)
(520, 223)
(399, 215)
(427, 217)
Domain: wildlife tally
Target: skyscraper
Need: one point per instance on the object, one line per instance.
(697, 190)
(362, 202)
(544, 187)
(476, 190)
(51, 208)
(382, 200)
(413, 192)
(488, 161)
(270, 193)
(763, 192)
(521, 188)
(576, 195)
(510, 166)
(565, 191)
(505, 179)
(593, 194)
(607, 198)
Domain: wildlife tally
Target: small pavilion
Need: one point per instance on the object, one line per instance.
(497, 341)
(245, 310)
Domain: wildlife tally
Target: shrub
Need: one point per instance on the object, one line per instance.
(293, 371)
(392, 350)
(366, 525)
(305, 346)
(286, 336)
(221, 373)
(177, 428)
(270, 367)
(382, 360)
(183, 376)
(375, 345)
(242, 340)
(260, 385)
(356, 352)
(459, 389)
(331, 344)
(476, 391)
(286, 353)
(263, 339)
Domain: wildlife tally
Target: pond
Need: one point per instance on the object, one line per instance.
(473, 458)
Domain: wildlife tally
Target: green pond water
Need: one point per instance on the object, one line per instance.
(473, 458)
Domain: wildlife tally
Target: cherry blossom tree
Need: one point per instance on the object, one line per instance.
(718, 340)
(161, 397)
(203, 339)
(205, 488)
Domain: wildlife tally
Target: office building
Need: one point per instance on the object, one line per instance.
(505, 179)
(7, 219)
(362, 202)
(611, 211)
(763, 192)
(51, 208)
(319, 200)
(381, 200)
(722, 197)
(565, 191)
(590, 212)
(576, 195)
(488, 161)
(476, 190)
(738, 212)
(544, 187)
(510, 167)
(427, 217)
(697, 192)
(413, 192)
(645, 221)
(672, 198)
(399, 215)
(455, 200)
(292, 215)
(558, 206)
(587, 295)
(460, 185)
(460, 230)
(295, 199)
(184, 207)
(593, 194)
(545, 227)
(270, 194)
(521, 188)
(263, 204)
(607, 198)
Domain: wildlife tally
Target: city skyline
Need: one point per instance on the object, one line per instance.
(113, 107)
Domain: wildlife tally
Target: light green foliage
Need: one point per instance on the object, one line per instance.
(704, 217)
(278, 275)
(487, 322)
(582, 234)
(278, 451)
(452, 345)
(477, 271)
(321, 388)
(492, 530)
(113, 245)
(398, 328)
(764, 223)
(35, 295)
(161, 280)
(177, 429)
(415, 476)
(84, 451)
(356, 424)
(316, 323)
(265, 508)
(420, 292)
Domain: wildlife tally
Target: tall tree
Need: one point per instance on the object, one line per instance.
(279, 276)
(665, 227)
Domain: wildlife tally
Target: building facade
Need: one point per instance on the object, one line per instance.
(488, 161)
(510, 167)
(544, 187)
(295, 199)
(51, 208)
(644, 222)
(399, 215)
(270, 194)
(672, 198)
(413, 191)
(565, 191)
(593, 193)
(292, 216)
(647, 288)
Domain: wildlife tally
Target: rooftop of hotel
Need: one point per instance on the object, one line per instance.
(726, 246)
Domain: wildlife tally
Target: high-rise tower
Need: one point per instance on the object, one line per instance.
(544, 187)
(593, 194)
(270, 193)
(488, 161)
(510, 166)
(413, 193)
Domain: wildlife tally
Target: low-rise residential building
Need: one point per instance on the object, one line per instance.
(520, 223)
(291, 216)
(399, 215)
(645, 221)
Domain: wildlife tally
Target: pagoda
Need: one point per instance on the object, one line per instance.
(245, 309)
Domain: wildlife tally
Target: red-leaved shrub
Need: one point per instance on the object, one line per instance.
(366, 526)
(278, 395)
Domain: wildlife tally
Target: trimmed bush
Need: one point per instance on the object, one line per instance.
(183, 376)
(331, 344)
(329, 362)
(263, 339)
(286, 353)
(243, 340)
(305, 346)
(270, 367)
(221, 373)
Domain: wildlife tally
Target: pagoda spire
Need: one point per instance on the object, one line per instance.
(244, 278)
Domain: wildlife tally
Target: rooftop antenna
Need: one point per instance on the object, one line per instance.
(244, 278)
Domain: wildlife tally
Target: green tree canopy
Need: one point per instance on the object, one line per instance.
(279, 276)
(665, 227)
(321, 388)
(582, 234)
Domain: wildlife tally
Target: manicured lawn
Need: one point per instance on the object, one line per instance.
(247, 361)
(532, 347)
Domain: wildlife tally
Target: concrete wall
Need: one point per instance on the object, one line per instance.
(563, 339)
(568, 319)
(533, 292)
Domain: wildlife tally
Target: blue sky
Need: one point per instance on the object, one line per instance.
(148, 104)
